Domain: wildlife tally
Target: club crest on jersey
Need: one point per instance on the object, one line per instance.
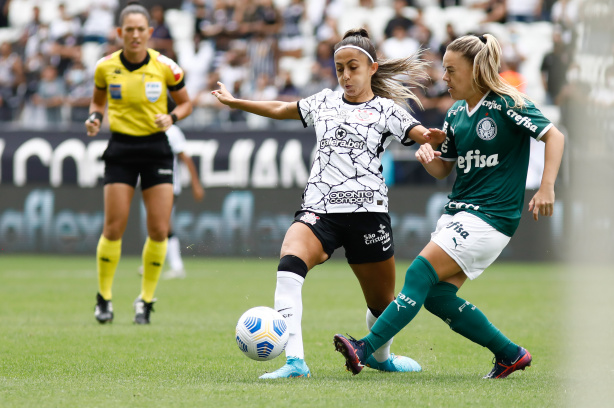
(486, 129)
(309, 218)
(363, 115)
(153, 90)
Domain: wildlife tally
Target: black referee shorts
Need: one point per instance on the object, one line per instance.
(366, 237)
(128, 157)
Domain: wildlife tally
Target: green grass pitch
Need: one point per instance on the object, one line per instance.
(54, 354)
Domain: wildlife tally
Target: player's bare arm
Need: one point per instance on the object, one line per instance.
(198, 192)
(542, 202)
(433, 164)
(98, 104)
(422, 135)
(269, 109)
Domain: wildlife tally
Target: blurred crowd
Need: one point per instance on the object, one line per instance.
(271, 50)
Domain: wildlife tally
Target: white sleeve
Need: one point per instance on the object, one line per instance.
(308, 106)
(399, 123)
(176, 139)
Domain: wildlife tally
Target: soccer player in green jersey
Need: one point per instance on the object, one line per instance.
(487, 139)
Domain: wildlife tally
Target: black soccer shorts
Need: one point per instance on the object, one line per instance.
(366, 237)
(128, 157)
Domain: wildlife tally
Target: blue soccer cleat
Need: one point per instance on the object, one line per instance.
(399, 364)
(294, 368)
(504, 368)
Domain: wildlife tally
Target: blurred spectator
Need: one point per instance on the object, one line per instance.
(50, 94)
(258, 16)
(4, 13)
(99, 20)
(65, 45)
(11, 77)
(495, 10)
(434, 96)
(64, 26)
(546, 10)
(398, 19)
(327, 31)
(288, 92)
(450, 36)
(262, 56)
(196, 64)
(554, 68)
(80, 91)
(208, 107)
(421, 33)
(30, 29)
(450, 3)
(324, 55)
(291, 41)
(511, 73)
(161, 39)
(233, 70)
(524, 11)
(565, 15)
(265, 90)
(199, 9)
(220, 27)
(400, 45)
(321, 78)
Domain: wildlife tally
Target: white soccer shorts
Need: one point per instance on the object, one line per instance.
(470, 241)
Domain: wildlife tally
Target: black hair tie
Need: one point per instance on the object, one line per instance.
(482, 38)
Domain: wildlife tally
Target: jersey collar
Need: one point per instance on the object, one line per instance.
(477, 105)
(355, 103)
(129, 65)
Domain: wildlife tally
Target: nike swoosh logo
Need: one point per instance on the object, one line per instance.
(386, 248)
(286, 308)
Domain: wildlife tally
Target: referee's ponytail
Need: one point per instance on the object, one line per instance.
(394, 78)
(484, 54)
(134, 7)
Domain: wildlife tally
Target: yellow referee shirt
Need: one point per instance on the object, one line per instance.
(137, 92)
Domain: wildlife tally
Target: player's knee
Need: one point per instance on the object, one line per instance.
(294, 264)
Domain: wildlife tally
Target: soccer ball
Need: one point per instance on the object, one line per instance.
(262, 333)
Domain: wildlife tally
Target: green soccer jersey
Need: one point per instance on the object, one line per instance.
(491, 145)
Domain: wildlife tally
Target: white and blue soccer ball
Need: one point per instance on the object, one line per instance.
(262, 333)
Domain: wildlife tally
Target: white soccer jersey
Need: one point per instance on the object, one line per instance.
(346, 175)
(176, 139)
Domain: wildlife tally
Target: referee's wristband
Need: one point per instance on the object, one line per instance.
(94, 116)
(174, 117)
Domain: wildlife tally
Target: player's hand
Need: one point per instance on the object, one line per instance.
(436, 135)
(223, 95)
(425, 154)
(92, 126)
(163, 121)
(542, 203)
(198, 192)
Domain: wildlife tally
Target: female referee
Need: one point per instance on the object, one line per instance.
(134, 81)
(345, 200)
(487, 131)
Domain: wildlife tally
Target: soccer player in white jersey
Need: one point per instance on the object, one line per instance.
(177, 141)
(488, 133)
(345, 202)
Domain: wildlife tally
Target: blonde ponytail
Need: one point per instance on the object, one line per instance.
(484, 53)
